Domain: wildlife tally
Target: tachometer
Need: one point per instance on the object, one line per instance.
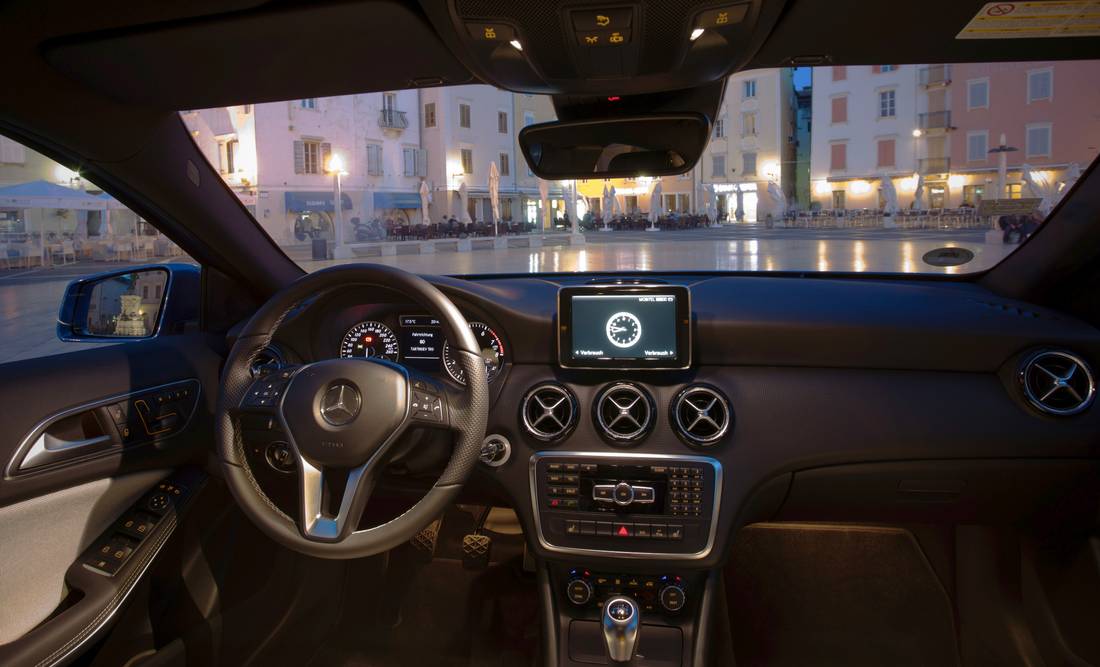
(492, 351)
(370, 339)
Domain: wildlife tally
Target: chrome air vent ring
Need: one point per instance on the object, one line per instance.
(1057, 383)
(623, 412)
(549, 411)
(701, 415)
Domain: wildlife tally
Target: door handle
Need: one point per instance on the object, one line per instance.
(51, 449)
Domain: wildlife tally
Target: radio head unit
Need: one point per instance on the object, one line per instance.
(630, 505)
(624, 326)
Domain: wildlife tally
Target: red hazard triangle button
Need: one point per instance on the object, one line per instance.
(622, 531)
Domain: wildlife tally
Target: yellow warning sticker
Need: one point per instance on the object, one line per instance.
(1045, 18)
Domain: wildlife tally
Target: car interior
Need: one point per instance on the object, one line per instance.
(811, 468)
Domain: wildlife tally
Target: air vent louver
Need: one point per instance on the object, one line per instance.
(701, 415)
(624, 412)
(1057, 383)
(549, 411)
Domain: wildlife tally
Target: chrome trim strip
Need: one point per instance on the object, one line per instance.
(687, 362)
(12, 469)
(614, 456)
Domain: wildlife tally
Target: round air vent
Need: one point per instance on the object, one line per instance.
(549, 411)
(267, 359)
(701, 415)
(624, 412)
(1058, 383)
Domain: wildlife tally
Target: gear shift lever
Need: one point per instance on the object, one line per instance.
(621, 620)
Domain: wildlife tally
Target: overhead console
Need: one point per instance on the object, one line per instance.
(624, 48)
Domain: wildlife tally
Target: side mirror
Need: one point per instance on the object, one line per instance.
(133, 304)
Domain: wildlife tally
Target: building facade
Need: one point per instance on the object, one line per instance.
(752, 145)
(931, 128)
(277, 157)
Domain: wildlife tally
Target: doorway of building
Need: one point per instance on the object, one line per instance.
(313, 225)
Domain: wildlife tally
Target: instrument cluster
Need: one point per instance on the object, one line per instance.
(418, 341)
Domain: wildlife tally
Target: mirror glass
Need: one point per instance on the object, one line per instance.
(615, 148)
(126, 305)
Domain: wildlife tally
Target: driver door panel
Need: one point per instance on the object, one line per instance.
(73, 466)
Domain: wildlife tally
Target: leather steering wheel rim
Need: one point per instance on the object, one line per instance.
(467, 412)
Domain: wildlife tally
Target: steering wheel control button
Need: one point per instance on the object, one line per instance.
(579, 592)
(623, 494)
(426, 406)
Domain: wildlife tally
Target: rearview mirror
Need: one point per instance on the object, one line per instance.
(133, 304)
(663, 145)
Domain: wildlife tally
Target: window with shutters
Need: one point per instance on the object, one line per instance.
(467, 155)
(886, 152)
(748, 164)
(839, 108)
(311, 156)
(374, 159)
(429, 114)
(840, 73)
(309, 103)
(977, 146)
(977, 94)
(748, 124)
(838, 156)
(505, 168)
(1040, 85)
(887, 104)
(718, 166)
(464, 115)
(409, 160)
(748, 89)
(719, 128)
(502, 122)
(1038, 140)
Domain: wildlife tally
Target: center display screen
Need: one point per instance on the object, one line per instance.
(625, 326)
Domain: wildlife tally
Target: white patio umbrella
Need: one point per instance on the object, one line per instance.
(1041, 186)
(779, 200)
(494, 194)
(544, 202)
(918, 194)
(464, 202)
(616, 207)
(425, 199)
(712, 204)
(606, 206)
(889, 194)
(654, 205)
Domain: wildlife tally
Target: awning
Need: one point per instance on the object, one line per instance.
(43, 194)
(384, 200)
(299, 202)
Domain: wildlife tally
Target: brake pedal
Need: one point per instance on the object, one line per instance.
(424, 543)
(476, 550)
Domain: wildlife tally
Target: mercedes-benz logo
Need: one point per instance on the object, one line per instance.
(340, 404)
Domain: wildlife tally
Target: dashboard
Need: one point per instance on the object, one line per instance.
(649, 418)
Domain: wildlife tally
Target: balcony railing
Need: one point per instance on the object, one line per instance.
(392, 119)
(935, 120)
(934, 165)
(935, 75)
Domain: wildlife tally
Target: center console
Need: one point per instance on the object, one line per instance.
(626, 505)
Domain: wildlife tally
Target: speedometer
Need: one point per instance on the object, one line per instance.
(492, 351)
(370, 339)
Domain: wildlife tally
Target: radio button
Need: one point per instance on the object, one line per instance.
(603, 528)
(659, 470)
(659, 531)
(643, 494)
(588, 527)
(570, 467)
(624, 494)
(603, 492)
(641, 530)
(572, 527)
(589, 467)
(553, 467)
(675, 531)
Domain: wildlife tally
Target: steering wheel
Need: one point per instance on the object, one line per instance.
(342, 416)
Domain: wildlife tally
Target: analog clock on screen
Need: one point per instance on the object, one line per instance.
(624, 329)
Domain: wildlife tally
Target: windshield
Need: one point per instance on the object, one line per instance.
(887, 168)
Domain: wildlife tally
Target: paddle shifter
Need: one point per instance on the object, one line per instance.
(620, 628)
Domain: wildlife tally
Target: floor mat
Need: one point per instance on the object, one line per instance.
(836, 595)
(449, 616)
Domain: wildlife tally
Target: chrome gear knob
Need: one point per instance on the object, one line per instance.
(621, 620)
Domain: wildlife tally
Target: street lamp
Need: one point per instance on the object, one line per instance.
(335, 167)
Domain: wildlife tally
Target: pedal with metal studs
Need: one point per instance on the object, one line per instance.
(477, 548)
(424, 543)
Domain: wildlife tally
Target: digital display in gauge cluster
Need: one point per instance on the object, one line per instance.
(422, 340)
